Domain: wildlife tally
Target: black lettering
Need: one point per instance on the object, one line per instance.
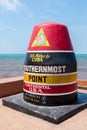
(29, 77)
(33, 78)
(40, 79)
(44, 78)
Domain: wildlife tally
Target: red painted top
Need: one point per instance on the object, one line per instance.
(50, 36)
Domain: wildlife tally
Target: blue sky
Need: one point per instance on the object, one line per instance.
(18, 17)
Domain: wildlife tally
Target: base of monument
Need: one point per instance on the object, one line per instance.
(45, 100)
(54, 114)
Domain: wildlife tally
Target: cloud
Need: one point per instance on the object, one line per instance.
(10, 4)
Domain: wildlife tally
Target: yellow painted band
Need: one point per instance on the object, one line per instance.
(50, 79)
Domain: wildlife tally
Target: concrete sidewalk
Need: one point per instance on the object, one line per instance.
(11, 119)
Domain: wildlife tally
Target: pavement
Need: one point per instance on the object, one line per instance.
(11, 119)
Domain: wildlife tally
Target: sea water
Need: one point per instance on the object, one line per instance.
(82, 66)
(11, 65)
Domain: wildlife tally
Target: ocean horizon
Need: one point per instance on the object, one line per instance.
(11, 65)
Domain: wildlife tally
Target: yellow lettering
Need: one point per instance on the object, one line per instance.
(37, 59)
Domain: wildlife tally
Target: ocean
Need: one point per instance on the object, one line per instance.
(81, 66)
(11, 65)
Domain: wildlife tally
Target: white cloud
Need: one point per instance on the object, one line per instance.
(10, 4)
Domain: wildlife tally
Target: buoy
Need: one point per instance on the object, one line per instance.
(50, 67)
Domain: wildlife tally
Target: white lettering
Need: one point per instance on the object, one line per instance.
(45, 69)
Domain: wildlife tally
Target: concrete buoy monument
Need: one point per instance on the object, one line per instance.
(50, 68)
